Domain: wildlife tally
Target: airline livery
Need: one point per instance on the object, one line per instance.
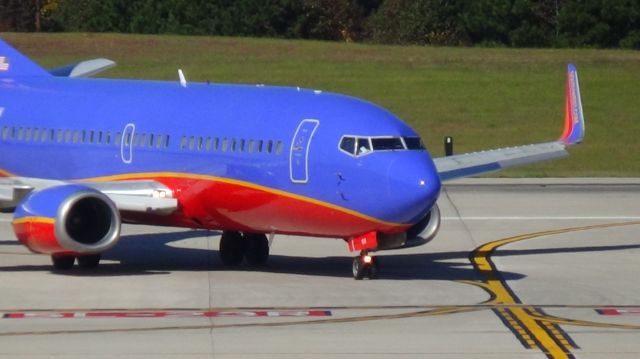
(81, 156)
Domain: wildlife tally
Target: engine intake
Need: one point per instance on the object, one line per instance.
(67, 219)
(418, 234)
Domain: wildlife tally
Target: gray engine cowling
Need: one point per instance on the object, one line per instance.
(420, 233)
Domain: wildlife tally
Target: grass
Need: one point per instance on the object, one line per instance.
(485, 98)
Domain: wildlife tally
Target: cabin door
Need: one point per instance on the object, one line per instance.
(299, 155)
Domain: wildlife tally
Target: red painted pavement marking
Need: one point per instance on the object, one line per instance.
(168, 314)
(615, 311)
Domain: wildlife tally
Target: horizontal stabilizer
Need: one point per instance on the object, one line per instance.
(15, 64)
(83, 69)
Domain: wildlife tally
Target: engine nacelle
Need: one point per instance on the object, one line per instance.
(69, 219)
(425, 230)
(417, 235)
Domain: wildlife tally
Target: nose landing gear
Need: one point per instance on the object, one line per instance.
(365, 266)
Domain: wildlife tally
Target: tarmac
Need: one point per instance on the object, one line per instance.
(531, 268)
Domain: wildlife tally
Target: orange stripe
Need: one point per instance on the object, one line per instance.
(31, 219)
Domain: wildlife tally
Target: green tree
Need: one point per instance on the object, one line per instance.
(435, 22)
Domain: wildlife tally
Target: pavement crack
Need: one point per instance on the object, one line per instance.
(459, 215)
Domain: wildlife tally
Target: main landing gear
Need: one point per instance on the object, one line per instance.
(365, 266)
(65, 262)
(236, 246)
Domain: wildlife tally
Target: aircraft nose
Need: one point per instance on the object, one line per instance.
(414, 185)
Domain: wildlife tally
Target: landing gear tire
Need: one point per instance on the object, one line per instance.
(365, 266)
(61, 262)
(256, 249)
(89, 262)
(231, 248)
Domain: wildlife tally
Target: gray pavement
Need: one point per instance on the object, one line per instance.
(569, 248)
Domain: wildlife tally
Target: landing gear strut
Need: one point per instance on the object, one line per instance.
(365, 265)
(235, 246)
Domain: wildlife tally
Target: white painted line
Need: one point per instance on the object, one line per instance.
(540, 218)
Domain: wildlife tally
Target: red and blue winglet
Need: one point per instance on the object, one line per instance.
(574, 120)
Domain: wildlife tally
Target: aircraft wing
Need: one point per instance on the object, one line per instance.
(83, 69)
(135, 196)
(470, 164)
(475, 163)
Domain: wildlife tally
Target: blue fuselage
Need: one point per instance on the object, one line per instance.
(285, 142)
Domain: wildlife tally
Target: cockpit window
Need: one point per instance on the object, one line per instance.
(364, 146)
(413, 143)
(387, 144)
(360, 146)
(348, 144)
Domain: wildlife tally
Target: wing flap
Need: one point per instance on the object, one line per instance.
(12, 192)
(136, 196)
(139, 196)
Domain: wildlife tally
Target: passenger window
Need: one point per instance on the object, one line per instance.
(5, 133)
(224, 145)
(279, 147)
(241, 146)
(270, 146)
(250, 145)
(260, 143)
(207, 145)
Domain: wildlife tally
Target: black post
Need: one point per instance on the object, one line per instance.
(448, 146)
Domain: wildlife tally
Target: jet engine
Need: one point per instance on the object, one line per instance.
(69, 219)
(418, 234)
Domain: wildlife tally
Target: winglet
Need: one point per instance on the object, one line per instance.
(13, 63)
(574, 128)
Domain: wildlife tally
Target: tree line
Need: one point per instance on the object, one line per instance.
(516, 23)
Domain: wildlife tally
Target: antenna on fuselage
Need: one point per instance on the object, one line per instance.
(183, 80)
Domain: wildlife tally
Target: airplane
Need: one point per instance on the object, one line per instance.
(81, 156)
